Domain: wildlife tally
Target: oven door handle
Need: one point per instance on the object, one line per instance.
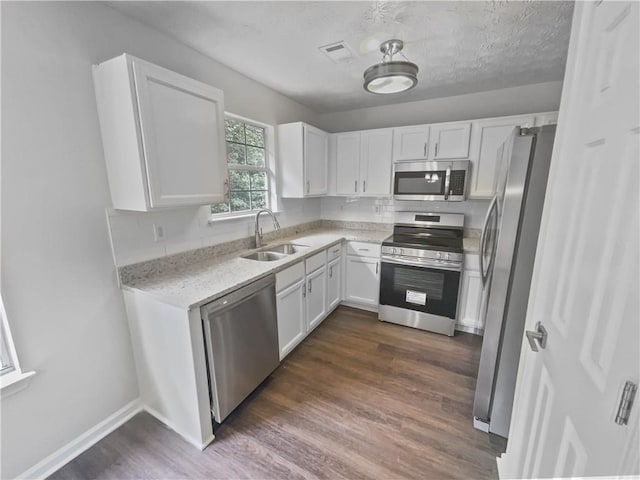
(436, 264)
(484, 275)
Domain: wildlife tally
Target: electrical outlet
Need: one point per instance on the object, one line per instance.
(158, 232)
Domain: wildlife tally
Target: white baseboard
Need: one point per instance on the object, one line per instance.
(196, 443)
(360, 306)
(71, 450)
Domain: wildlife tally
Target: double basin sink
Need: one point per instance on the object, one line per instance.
(277, 252)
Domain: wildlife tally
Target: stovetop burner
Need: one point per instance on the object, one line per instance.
(442, 232)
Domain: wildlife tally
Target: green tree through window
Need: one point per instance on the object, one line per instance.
(246, 159)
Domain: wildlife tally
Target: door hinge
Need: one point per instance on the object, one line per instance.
(626, 403)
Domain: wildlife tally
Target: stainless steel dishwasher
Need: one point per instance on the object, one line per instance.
(241, 340)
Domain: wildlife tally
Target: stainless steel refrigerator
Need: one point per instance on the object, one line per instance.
(507, 253)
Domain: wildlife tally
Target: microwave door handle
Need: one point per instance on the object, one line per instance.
(483, 238)
(447, 182)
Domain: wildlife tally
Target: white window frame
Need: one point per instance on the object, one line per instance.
(12, 378)
(269, 168)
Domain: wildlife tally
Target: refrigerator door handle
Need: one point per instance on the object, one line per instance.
(484, 275)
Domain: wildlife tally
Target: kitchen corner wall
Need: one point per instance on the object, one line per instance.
(189, 228)
(59, 285)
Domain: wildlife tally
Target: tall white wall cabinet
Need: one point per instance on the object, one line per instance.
(303, 155)
(162, 134)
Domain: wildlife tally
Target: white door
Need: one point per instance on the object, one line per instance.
(182, 123)
(375, 165)
(363, 280)
(586, 280)
(411, 143)
(333, 283)
(347, 163)
(316, 297)
(290, 305)
(316, 151)
(450, 140)
(491, 134)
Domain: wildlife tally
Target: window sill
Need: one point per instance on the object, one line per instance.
(241, 216)
(13, 382)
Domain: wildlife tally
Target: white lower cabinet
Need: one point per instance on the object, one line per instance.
(316, 297)
(363, 280)
(471, 297)
(334, 274)
(290, 305)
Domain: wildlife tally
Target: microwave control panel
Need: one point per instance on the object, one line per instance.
(456, 182)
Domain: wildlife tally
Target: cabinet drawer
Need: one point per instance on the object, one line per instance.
(289, 276)
(315, 262)
(334, 252)
(364, 249)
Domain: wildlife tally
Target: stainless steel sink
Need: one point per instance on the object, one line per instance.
(286, 248)
(265, 256)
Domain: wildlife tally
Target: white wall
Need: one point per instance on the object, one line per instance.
(58, 277)
(381, 210)
(541, 97)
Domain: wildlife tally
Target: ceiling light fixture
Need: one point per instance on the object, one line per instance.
(389, 76)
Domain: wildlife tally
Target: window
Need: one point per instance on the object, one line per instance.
(247, 158)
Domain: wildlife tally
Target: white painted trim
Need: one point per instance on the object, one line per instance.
(14, 381)
(71, 450)
(163, 419)
(360, 306)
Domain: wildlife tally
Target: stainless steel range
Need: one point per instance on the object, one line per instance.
(421, 270)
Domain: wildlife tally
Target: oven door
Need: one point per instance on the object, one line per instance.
(420, 288)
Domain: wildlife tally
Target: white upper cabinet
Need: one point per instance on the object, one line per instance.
(162, 134)
(363, 162)
(449, 141)
(347, 161)
(375, 162)
(411, 143)
(303, 152)
(488, 136)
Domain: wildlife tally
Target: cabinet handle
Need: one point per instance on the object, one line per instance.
(364, 185)
(377, 267)
(355, 188)
(436, 154)
(363, 249)
(424, 154)
(310, 285)
(308, 186)
(337, 250)
(331, 271)
(304, 290)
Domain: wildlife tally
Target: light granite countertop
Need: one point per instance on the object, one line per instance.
(194, 285)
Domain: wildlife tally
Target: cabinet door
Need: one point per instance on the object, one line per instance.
(316, 154)
(316, 297)
(470, 302)
(290, 306)
(347, 163)
(363, 280)
(333, 283)
(182, 127)
(411, 143)
(450, 141)
(375, 162)
(485, 166)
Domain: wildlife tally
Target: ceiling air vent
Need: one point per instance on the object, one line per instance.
(338, 52)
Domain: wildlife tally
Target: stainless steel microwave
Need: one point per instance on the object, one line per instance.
(438, 180)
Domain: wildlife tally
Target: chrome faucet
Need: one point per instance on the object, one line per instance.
(276, 225)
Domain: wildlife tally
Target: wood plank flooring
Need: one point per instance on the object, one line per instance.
(357, 399)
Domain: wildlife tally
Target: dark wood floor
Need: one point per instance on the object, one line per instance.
(357, 399)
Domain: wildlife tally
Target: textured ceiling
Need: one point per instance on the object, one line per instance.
(460, 47)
